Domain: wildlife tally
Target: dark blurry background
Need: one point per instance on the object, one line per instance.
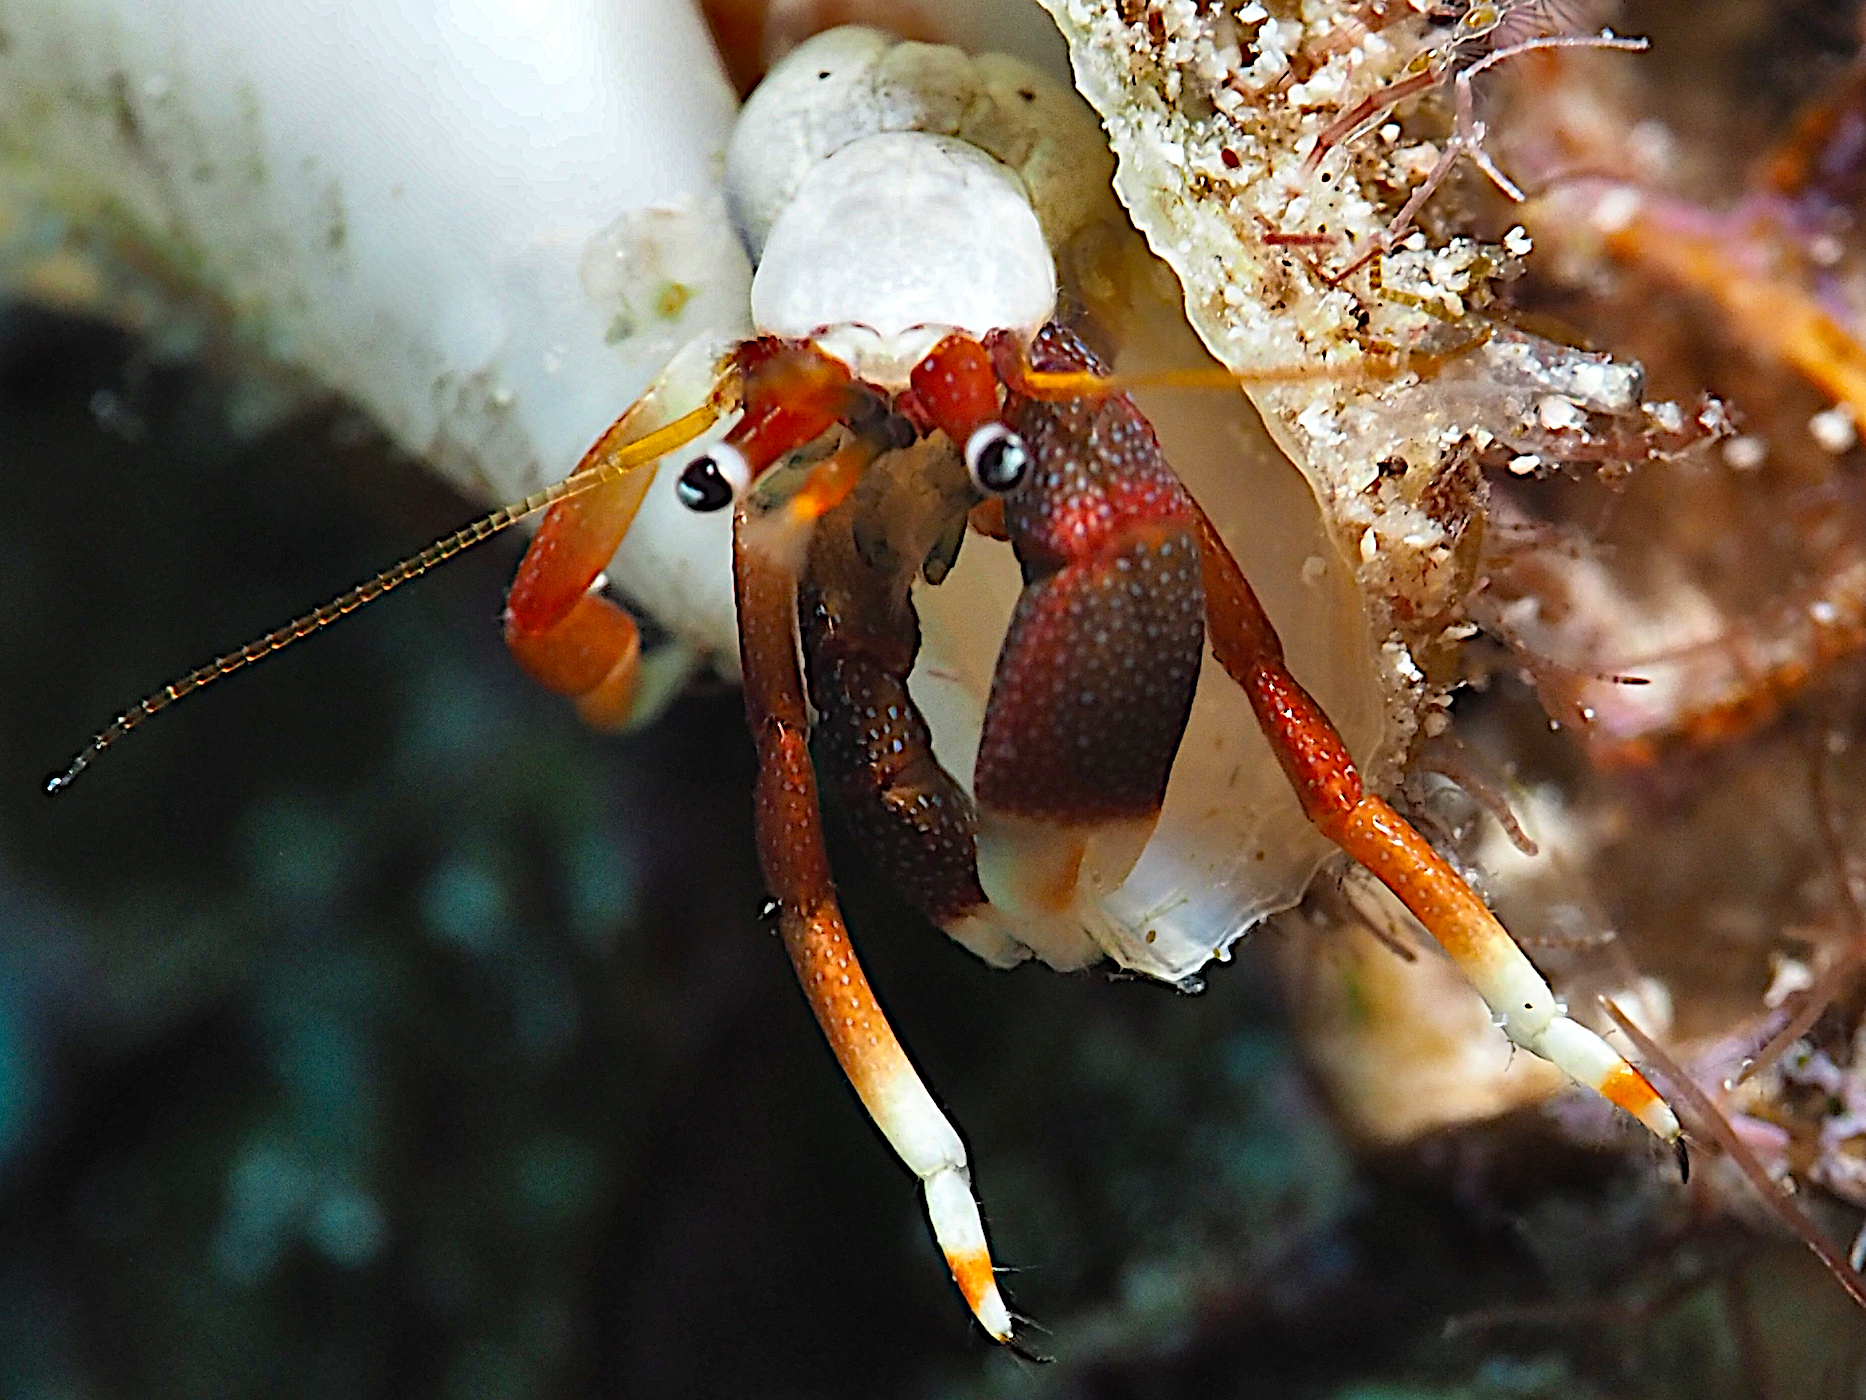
(367, 1028)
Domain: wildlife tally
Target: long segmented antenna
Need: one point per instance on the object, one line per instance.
(1035, 383)
(603, 463)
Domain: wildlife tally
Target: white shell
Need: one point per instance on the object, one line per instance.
(392, 198)
(851, 83)
(807, 108)
(894, 241)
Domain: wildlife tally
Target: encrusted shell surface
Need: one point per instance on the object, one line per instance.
(1215, 115)
(1257, 154)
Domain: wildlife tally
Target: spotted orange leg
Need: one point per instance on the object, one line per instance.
(795, 861)
(791, 395)
(1045, 406)
(1367, 827)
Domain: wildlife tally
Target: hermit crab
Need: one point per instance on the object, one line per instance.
(914, 374)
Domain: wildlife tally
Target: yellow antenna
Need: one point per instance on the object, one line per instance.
(1086, 384)
(604, 462)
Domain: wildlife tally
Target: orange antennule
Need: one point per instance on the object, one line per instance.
(957, 388)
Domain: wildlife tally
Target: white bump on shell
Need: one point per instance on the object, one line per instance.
(895, 240)
(795, 118)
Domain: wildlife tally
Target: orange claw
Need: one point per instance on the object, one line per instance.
(592, 653)
(581, 533)
(569, 639)
(577, 653)
(584, 528)
(576, 542)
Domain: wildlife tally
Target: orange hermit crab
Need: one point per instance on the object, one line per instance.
(912, 373)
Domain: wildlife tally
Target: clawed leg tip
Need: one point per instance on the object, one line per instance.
(1684, 1161)
(1023, 1351)
(1017, 1342)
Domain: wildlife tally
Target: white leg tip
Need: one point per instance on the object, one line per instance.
(1588, 1059)
(961, 1236)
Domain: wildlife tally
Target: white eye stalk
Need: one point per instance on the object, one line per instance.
(997, 459)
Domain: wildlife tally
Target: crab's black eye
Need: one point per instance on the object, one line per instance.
(712, 482)
(997, 459)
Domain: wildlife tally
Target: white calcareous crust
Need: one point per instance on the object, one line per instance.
(852, 83)
(896, 240)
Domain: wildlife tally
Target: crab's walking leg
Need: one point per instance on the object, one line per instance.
(796, 869)
(1367, 828)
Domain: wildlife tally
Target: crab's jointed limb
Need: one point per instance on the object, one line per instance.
(559, 625)
(1095, 680)
(861, 639)
(1063, 433)
(568, 636)
(1367, 827)
(788, 823)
